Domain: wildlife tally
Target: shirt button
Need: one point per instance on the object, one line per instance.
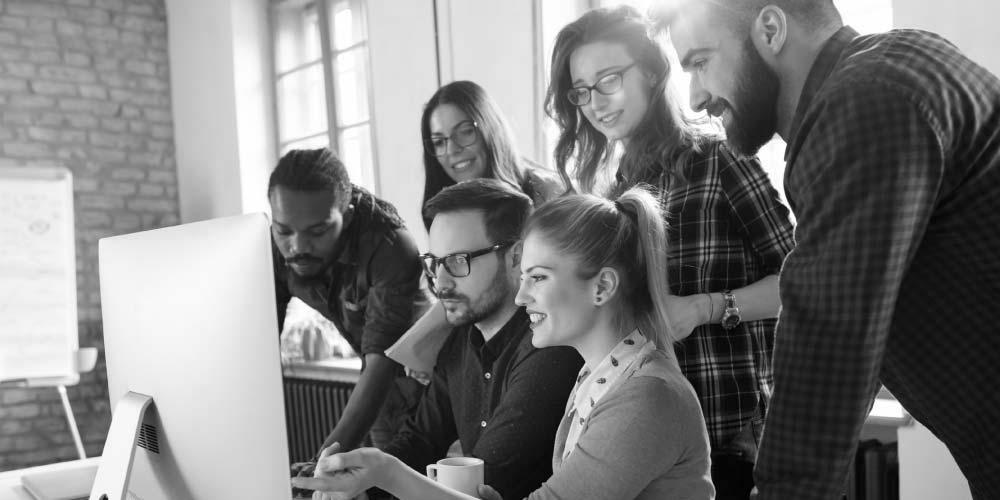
(482, 424)
(488, 375)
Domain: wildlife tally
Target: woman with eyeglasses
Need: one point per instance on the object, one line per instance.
(592, 278)
(728, 232)
(467, 137)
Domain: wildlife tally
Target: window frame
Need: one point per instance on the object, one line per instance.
(328, 62)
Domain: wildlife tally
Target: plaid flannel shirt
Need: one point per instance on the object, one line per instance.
(727, 228)
(893, 171)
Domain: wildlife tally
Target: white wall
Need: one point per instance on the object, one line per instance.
(223, 118)
(494, 43)
(969, 24)
(926, 469)
(404, 75)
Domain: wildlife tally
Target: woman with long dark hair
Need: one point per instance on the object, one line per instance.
(728, 232)
(467, 137)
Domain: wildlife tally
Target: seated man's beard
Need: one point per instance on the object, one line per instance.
(754, 108)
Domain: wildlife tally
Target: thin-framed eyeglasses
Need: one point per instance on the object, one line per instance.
(607, 85)
(458, 265)
(465, 134)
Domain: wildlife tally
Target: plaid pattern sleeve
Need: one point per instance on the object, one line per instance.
(726, 229)
(893, 168)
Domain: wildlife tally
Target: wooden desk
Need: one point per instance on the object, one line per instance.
(10, 481)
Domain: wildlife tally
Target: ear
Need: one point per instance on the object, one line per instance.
(769, 32)
(347, 216)
(514, 256)
(606, 285)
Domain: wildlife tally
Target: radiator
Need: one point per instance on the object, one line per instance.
(312, 408)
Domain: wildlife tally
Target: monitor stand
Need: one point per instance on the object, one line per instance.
(126, 431)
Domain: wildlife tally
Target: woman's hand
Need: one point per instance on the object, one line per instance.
(687, 313)
(486, 492)
(342, 476)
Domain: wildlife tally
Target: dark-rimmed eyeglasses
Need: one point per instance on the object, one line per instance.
(458, 265)
(606, 85)
(463, 135)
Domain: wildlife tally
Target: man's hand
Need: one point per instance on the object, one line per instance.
(688, 312)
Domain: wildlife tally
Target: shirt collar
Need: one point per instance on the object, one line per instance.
(591, 386)
(488, 351)
(825, 62)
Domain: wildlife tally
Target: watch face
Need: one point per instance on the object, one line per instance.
(730, 320)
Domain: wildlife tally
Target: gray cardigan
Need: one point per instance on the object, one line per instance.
(645, 439)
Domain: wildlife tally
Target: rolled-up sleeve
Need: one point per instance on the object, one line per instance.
(394, 288)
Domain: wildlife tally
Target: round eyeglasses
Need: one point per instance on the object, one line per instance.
(606, 85)
(463, 135)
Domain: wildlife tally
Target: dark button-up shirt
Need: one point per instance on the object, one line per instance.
(501, 399)
(372, 291)
(894, 176)
(726, 229)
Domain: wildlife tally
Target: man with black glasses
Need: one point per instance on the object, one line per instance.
(491, 389)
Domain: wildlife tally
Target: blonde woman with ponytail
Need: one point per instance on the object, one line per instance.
(593, 279)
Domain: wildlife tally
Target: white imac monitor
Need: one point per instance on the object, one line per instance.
(194, 372)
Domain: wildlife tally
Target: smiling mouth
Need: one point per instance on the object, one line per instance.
(536, 318)
(609, 119)
(462, 165)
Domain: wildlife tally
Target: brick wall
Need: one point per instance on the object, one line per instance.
(85, 84)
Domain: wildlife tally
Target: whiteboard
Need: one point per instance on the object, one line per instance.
(38, 317)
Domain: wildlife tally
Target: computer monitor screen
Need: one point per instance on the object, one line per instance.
(190, 320)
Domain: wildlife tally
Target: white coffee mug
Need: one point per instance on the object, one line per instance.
(463, 474)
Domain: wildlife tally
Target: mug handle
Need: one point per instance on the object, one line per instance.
(432, 470)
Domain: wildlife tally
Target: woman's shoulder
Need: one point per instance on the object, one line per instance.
(659, 375)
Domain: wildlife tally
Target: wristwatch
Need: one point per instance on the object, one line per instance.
(731, 315)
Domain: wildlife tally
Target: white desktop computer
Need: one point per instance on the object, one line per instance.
(194, 375)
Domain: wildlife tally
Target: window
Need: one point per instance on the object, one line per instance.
(322, 81)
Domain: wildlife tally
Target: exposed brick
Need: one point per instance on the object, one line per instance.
(140, 67)
(115, 5)
(160, 115)
(34, 8)
(162, 176)
(140, 9)
(9, 22)
(39, 40)
(69, 28)
(146, 159)
(85, 185)
(101, 202)
(12, 53)
(27, 149)
(77, 59)
(57, 135)
(126, 222)
(44, 56)
(41, 25)
(13, 84)
(53, 88)
(24, 411)
(104, 155)
(9, 426)
(152, 205)
(133, 174)
(150, 190)
(118, 188)
(31, 101)
(107, 33)
(132, 37)
(17, 396)
(114, 124)
(79, 120)
(8, 38)
(101, 108)
(16, 68)
(67, 73)
(93, 92)
(89, 15)
(93, 218)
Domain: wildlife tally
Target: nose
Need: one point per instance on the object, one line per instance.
(522, 298)
(299, 244)
(443, 279)
(699, 96)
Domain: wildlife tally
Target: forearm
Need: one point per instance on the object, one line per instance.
(405, 483)
(364, 404)
(756, 301)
